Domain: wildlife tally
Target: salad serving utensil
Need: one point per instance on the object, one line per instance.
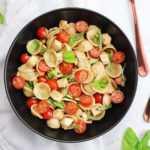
(147, 111)
(141, 58)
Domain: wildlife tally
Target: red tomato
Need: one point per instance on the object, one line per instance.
(24, 58)
(71, 108)
(81, 75)
(95, 52)
(42, 79)
(85, 100)
(43, 67)
(63, 37)
(31, 101)
(82, 125)
(43, 106)
(48, 114)
(117, 97)
(52, 84)
(74, 90)
(66, 67)
(118, 57)
(41, 33)
(18, 82)
(118, 80)
(81, 26)
(98, 98)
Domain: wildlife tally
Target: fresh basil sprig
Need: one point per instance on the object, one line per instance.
(131, 141)
(1, 18)
(109, 67)
(34, 46)
(93, 60)
(77, 127)
(43, 50)
(67, 76)
(29, 85)
(122, 76)
(98, 39)
(75, 38)
(104, 108)
(56, 103)
(100, 84)
(69, 57)
(51, 74)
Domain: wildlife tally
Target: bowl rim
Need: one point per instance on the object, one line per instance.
(13, 43)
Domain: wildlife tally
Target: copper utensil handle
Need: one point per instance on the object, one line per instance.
(142, 62)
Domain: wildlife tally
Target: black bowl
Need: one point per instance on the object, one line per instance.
(51, 19)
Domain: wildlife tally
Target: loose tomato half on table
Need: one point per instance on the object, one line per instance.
(18, 82)
(81, 26)
(74, 90)
(80, 127)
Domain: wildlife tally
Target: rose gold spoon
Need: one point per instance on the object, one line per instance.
(147, 112)
(142, 62)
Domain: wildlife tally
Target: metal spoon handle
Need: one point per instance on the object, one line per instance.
(142, 62)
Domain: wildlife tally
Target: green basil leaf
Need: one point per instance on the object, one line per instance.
(69, 57)
(51, 74)
(104, 108)
(50, 101)
(71, 80)
(130, 140)
(93, 60)
(89, 117)
(110, 57)
(67, 76)
(34, 97)
(100, 84)
(77, 127)
(34, 83)
(29, 85)
(109, 67)
(1, 18)
(34, 46)
(43, 50)
(75, 38)
(98, 39)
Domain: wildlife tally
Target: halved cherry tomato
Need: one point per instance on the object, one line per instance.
(74, 90)
(81, 75)
(43, 67)
(98, 98)
(42, 79)
(18, 82)
(24, 58)
(52, 84)
(48, 114)
(43, 106)
(63, 37)
(82, 125)
(94, 52)
(117, 97)
(41, 33)
(65, 67)
(85, 100)
(71, 108)
(118, 57)
(81, 26)
(31, 101)
(118, 80)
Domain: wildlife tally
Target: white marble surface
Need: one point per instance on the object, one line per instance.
(13, 134)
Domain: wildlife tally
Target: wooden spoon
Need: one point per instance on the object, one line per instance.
(142, 62)
(147, 112)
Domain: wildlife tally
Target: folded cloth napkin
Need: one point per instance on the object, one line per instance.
(13, 134)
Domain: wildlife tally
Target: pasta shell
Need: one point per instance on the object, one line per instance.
(50, 41)
(109, 48)
(52, 32)
(98, 69)
(50, 58)
(90, 75)
(32, 61)
(71, 29)
(87, 89)
(116, 70)
(105, 58)
(39, 73)
(35, 112)
(29, 76)
(84, 46)
(42, 90)
(28, 92)
(92, 27)
(89, 107)
(63, 24)
(106, 39)
(84, 117)
(53, 123)
(57, 45)
(97, 115)
(25, 68)
(38, 49)
(106, 99)
(58, 114)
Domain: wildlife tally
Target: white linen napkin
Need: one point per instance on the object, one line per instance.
(16, 136)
